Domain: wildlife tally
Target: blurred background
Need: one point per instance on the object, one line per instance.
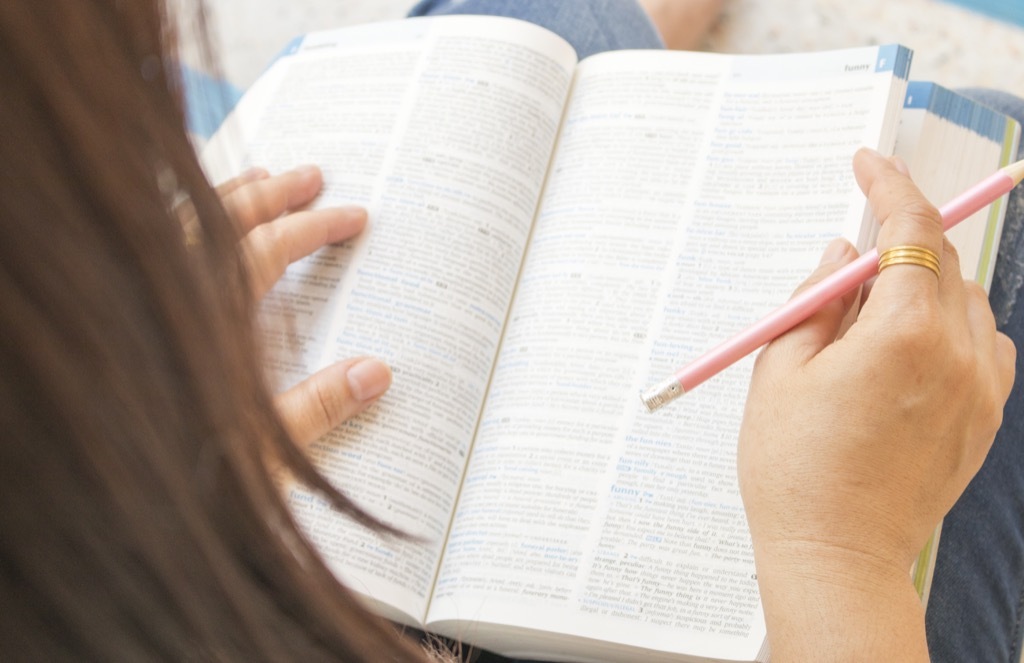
(953, 45)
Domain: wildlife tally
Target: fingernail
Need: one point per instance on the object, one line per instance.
(900, 165)
(351, 220)
(253, 174)
(353, 211)
(307, 173)
(835, 250)
(368, 379)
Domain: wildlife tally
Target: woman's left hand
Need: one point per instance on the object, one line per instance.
(279, 231)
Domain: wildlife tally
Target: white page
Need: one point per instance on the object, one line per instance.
(580, 514)
(925, 141)
(444, 131)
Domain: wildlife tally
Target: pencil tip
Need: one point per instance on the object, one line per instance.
(1015, 171)
(661, 394)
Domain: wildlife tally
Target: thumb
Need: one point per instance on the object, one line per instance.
(323, 401)
(802, 343)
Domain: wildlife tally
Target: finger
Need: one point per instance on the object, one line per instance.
(951, 281)
(323, 401)
(806, 340)
(981, 321)
(996, 350)
(1006, 363)
(251, 175)
(186, 210)
(271, 247)
(263, 200)
(907, 219)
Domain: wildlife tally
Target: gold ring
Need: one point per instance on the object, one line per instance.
(909, 255)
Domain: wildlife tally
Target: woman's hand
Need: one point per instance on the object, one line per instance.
(279, 231)
(852, 450)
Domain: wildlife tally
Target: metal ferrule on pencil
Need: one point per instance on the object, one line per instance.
(661, 394)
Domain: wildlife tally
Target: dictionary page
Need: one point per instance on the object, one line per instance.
(689, 194)
(444, 131)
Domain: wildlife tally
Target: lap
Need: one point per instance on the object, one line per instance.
(591, 26)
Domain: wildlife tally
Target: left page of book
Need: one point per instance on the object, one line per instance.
(443, 129)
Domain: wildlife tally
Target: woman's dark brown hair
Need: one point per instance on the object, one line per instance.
(137, 520)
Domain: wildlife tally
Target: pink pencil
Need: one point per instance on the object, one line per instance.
(811, 300)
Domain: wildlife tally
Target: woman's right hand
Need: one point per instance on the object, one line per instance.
(853, 449)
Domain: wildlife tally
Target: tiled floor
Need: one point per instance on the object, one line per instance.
(953, 46)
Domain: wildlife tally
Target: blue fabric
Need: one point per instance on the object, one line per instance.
(977, 600)
(207, 101)
(1006, 10)
(591, 26)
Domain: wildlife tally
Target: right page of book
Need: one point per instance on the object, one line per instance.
(689, 194)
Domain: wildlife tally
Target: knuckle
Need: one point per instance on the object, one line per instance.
(269, 244)
(954, 353)
(1010, 348)
(993, 414)
(976, 293)
(241, 205)
(950, 256)
(328, 406)
(974, 290)
(917, 210)
(962, 369)
(924, 345)
(255, 203)
(965, 362)
(266, 233)
(916, 331)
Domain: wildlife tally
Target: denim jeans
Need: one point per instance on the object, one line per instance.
(591, 26)
(975, 608)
